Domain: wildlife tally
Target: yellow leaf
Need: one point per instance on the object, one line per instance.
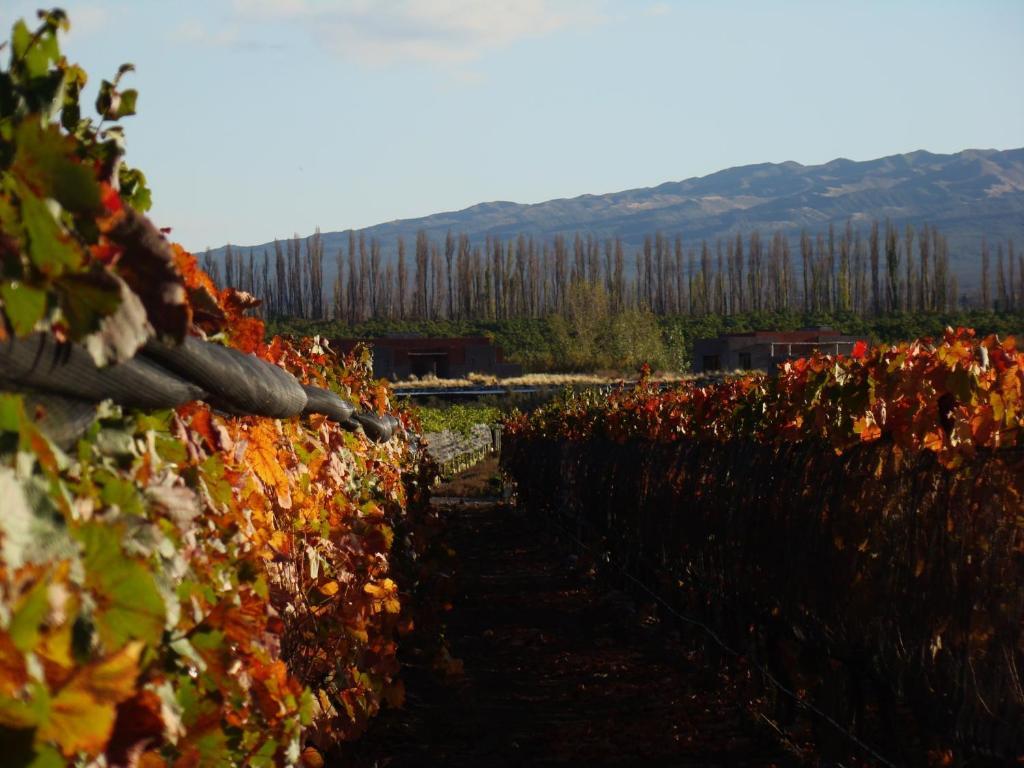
(261, 454)
(55, 648)
(933, 441)
(380, 591)
(82, 713)
(113, 679)
(78, 722)
(359, 634)
(280, 542)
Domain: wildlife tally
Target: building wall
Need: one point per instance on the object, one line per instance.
(402, 357)
(755, 351)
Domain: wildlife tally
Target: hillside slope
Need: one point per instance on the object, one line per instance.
(967, 195)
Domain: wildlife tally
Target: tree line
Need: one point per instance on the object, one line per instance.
(880, 270)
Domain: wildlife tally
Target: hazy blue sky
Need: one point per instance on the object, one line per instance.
(260, 118)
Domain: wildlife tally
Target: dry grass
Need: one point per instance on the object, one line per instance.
(527, 380)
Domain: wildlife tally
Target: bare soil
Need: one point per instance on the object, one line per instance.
(559, 669)
(479, 481)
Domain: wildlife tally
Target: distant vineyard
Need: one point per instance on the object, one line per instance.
(952, 396)
(853, 525)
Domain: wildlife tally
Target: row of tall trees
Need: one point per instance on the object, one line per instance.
(881, 269)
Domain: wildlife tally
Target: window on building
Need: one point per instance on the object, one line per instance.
(745, 361)
(711, 363)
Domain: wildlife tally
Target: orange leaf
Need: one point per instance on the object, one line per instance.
(247, 333)
(311, 758)
(933, 441)
(261, 454)
(202, 423)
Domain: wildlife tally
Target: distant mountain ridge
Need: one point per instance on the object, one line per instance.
(967, 195)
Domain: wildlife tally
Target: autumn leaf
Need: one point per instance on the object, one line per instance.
(82, 713)
(384, 596)
(138, 725)
(247, 334)
(201, 421)
(311, 758)
(262, 457)
(13, 672)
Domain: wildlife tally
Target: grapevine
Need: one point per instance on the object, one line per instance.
(852, 524)
(179, 587)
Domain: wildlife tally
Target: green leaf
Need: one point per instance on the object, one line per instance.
(47, 757)
(20, 714)
(105, 100)
(88, 297)
(24, 628)
(11, 231)
(12, 411)
(962, 384)
(45, 161)
(127, 104)
(28, 53)
(212, 470)
(213, 748)
(71, 111)
(171, 450)
(49, 247)
(20, 39)
(32, 59)
(24, 306)
(123, 494)
(264, 756)
(132, 182)
(158, 421)
(129, 605)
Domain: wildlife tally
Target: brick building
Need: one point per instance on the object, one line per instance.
(399, 357)
(764, 350)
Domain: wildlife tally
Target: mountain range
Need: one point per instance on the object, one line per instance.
(967, 195)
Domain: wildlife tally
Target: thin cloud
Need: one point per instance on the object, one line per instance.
(193, 32)
(446, 32)
(87, 20)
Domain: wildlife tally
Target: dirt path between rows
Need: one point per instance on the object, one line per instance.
(559, 670)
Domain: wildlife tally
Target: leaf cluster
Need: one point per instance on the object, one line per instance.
(63, 187)
(178, 588)
(953, 396)
(234, 571)
(458, 417)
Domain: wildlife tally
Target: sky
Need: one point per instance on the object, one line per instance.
(263, 118)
